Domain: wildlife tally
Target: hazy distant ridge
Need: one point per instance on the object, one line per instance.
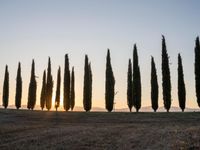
(143, 109)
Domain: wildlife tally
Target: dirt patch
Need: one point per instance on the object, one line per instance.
(23, 129)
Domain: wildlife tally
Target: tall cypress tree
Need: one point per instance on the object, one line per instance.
(49, 86)
(154, 86)
(66, 91)
(136, 81)
(18, 95)
(129, 86)
(6, 88)
(138, 104)
(90, 85)
(197, 69)
(85, 85)
(32, 89)
(166, 81)
(57, 100)
(181, 84)
(72, 93)
(43, 92)
(110, 84)
(87, 89)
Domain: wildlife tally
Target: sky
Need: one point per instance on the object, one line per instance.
(38, 29)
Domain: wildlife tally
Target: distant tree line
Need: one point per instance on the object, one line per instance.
(134, 88)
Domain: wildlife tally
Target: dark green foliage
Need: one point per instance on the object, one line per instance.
(138, 101)
(129, 86)
(18, 95)
(43, 92)
(32, 89)
(110, 84)
(57, 100)
(66, 92)
(87, 89)
(197, 69)
(6, 88)
(136, 81)
(166, 81)
(49, 86)
(154, 86)
(90, 85)
(181, 84)
(86, 85)
(72, 94)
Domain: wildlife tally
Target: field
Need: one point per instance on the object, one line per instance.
(25, 129)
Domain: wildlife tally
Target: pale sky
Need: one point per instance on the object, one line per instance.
(38, 29)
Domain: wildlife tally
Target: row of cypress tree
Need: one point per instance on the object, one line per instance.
(133, 84)
(69, 88)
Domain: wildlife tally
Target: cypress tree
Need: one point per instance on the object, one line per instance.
(57, 100)
(197, 69)
(138, 102)
(49, 86)
(154, 86)
(136, 81)
(129, 86)
(18, 95)
(85, 85)
(166, 82)
(181, 84)
(6, 88)
(43, 92)
(110, 84)
(87, 89)
(32, 89)
(72, 94)
(90, 85)
(66, 91)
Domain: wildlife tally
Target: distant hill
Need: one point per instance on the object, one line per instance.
(143, 109)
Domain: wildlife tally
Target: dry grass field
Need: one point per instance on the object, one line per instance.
(25, 129)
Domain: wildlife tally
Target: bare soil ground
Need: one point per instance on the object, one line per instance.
(23, 129)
